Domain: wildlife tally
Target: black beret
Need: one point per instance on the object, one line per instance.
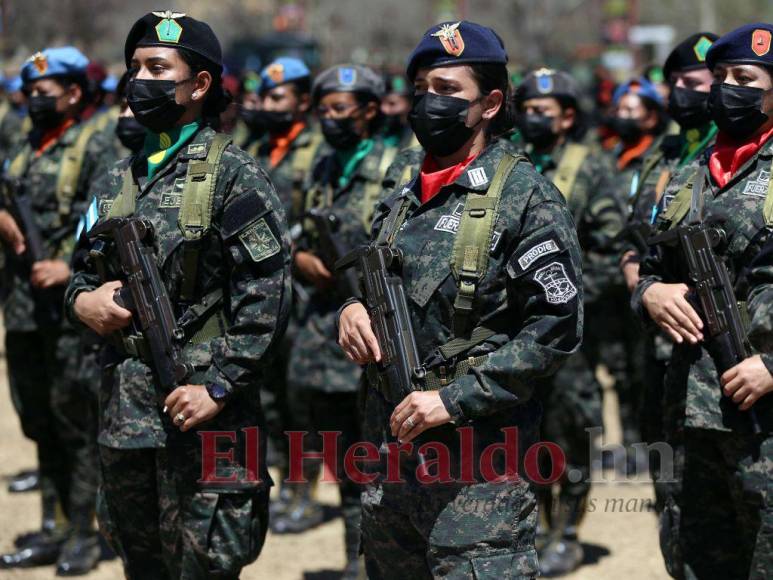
(173, 30)
(690, 54)
(451, 43)
(750, 44)
(547, 82)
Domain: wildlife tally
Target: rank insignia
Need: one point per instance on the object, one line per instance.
(259, 241)
(347, 75)
(544, 77)
(451, 39)
(168, 30)
(40, 61)
(276, 72)
(701, 48)
(761, 42)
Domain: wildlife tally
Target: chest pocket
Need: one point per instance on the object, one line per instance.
(428, 272)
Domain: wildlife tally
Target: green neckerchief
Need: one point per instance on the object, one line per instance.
(391, 139)
(541, 161)
(160, 147)
(350, 159)
(694, 141)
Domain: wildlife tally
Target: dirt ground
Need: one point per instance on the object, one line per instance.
(619, 535)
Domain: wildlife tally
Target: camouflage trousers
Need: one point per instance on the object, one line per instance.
(53, 386)
(726, 528)
(571, 403)
(164, 528)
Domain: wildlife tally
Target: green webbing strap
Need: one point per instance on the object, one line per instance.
(195, 214)
(70, 171)
(680, 205)
(124, 203)
(19, 163)
(469, 260)
(5, 107)
(767, 211)
(444, 375)
(303, 159)
(569, 167)
(373, 188)
(460, 345)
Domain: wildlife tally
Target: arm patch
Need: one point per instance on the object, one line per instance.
(259, 241)
(241, 212)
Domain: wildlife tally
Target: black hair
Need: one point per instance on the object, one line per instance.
(492, 77)
(218, 98)
(65, 81)
(301, 86)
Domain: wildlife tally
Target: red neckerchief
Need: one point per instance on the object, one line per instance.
(729, 155)
(52, 136)
(634, 152)
(280, 144)
(434, 179)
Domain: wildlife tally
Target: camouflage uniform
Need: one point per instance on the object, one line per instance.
(158, 517)
(319, 370)
(572, 400)
(484, 529)
(44, 376)
(721, 515)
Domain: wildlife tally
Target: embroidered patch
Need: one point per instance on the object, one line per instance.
(558, 288)
(450, 223)
(105, 205)
(450, 38)
(259, 241)
(761, 42)
(758, 187)
(536, 252)
(197, 148)
(347, 75)
(544, 78)
(170, 200)
(477, 176)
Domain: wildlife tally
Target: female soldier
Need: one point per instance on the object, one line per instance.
(223, 254)
(495, 304)
(727, 474)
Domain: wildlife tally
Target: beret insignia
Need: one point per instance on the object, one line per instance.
(544, 78)
(761, 42)
(168, 30)
(40, 61)
(276, 72)
(347, 75)
(451, 39)
(701, 48)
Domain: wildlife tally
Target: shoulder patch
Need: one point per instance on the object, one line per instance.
(536, 252)
(104, 207)
(195, 149)
(259, 241)
(477, 176)
(554, 280)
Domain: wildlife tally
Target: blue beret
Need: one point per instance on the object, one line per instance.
(13, 84)
(750, 44)
(639, 86)
(284, 69)
(110, 84)
(451, 43)
(53, 62)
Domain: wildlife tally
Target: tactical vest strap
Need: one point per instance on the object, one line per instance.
(303, 158)
(124, 203)
(469, 260)
(568, 168)
(680, 205)
(70, 170)
(373, 189)
(195, 214)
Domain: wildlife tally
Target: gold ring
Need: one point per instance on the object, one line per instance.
(410, 422)
(179, 419)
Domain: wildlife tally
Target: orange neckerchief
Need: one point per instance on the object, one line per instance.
(729, 155)
(52, 136)
(280, 144)
(434, 179)
(631, 153)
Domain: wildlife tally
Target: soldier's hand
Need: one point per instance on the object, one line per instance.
(747, 381)
(630, 268)
(668, 307)
(356, 337)
(10, 233)
(419, 411)
(98, 310)
(190, 405)
(313, 269)
(48, 273)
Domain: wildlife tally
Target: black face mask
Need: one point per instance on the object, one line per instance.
(439, 122)
(340, 133)
(737, 111)
(690, 109)
(261, 122)
(130, 133)
(393, 124)
(627, 129)
(43, 113)
(537, 129)
(152, 102)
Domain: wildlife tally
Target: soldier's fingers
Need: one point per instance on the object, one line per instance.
(675, 336)
(741, 394)
(729, 375)
(408, 429)
(370, 340)
(689, 311)
(172, 398)
(732, 385)
(683, 320)
(749, 402)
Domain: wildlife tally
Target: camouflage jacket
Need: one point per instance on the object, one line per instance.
(245, 253)
(25, 309)
(352, 205)
(531, 293)
(288, 179)
(597, 215)
(739, 207)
